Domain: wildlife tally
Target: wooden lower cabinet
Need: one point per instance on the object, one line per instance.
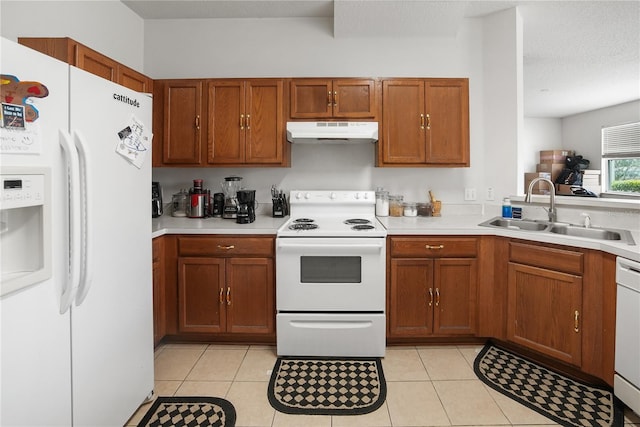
(432, 287)
(544, 311)
(159, 300)
(226, 294)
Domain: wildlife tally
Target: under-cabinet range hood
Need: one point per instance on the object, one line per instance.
(332, 132)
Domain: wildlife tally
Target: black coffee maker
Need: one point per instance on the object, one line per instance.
(156, 199)
(246, 206)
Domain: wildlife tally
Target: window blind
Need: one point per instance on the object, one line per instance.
(621, 141)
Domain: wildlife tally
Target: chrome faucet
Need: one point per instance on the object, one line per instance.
(552, 197)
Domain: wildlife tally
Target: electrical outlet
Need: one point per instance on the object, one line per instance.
(469, 193)
(489, 195)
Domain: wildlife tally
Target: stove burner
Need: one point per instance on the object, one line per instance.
(361, 227)
(357, 221)
(302, 226)
(303, 220)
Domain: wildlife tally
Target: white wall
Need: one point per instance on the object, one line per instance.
(109, 27)
(540, 134)
(582, 131)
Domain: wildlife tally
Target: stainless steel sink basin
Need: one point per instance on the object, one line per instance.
(560, 228)
(520, 224)
(590, 233)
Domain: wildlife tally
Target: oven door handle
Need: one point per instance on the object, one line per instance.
(331, 248)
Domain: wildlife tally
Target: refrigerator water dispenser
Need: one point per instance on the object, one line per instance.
(25, 227)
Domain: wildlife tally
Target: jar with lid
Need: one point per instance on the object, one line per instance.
(424, 209)
(382, 202)
(409, 209)
(179, 203)
(395, 205)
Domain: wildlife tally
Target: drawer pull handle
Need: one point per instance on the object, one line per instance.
(197, 122)
(430, 297)
(221, 296)
(335, 98)
(428, 122)
(422, 121)
(329, 99)
(437, 297)
(229, 296)
(248, 122)
(434, 247)
(226, 248)
(576, 324)
(241, 121)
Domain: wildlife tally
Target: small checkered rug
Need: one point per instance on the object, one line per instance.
(327, 386)
(189, 412)
(561, 399)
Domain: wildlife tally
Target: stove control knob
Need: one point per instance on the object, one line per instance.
(357, 196)
(366, 196)
(333, 196)
(307, 196)
(298, 195)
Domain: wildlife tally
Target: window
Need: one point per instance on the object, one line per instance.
(621, 159)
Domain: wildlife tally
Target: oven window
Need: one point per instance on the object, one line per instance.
(330, 269)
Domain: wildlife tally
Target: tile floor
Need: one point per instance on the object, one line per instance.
(426, 386)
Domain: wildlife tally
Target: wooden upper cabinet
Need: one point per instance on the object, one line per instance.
(328, 99)
(181, 137)
(246, 123)
(85, 58)
(425, 122)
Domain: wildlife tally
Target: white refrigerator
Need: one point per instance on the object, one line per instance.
(76, 349)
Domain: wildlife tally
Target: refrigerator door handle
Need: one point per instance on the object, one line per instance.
(70, 285)
(86, 181)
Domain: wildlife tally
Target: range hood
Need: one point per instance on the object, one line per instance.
(332, 132)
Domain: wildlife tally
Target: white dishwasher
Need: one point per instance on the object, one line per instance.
(626, 382)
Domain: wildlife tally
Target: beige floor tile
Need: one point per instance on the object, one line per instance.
(446, 364)
(257, 365)
(468, 402)
(252, 406)
(470, 352)
(403, 364)
(289, 420)
(204, 388)
(217, 364)
(517, 413)
(377, 418)
(176, 363)
(415, 403)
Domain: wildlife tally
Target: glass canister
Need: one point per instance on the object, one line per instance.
(395, 205)
(382, 202)
(424, 209)
(409, 209)
(179, 203)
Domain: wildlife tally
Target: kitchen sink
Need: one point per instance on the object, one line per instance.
(520, 224)
(560, 228)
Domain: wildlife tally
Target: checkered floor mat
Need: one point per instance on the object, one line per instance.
(321, 386)
(190, 412)
(561, 399)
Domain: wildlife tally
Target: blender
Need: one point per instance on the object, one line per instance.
(230, 188)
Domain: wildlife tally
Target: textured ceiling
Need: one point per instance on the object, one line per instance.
(578, 55)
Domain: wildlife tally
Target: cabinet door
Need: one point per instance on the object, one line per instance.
(264, 122)
(134, 80)
(455, 296)
(182, 143)
(201, 295)
(311, 99)
(411, 298)
(447, 122)
(403, 122)
(544, 311)
(354, 99)
(227, 122)
(251, 303)
(96, 63)
(159, 322)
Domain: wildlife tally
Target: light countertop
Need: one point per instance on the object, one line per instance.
(445, 225)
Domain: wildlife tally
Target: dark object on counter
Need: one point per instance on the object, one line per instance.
(156, 199)
(246, 206)
(280, 207)
(218, 205)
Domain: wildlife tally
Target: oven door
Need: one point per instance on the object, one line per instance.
(330, 274)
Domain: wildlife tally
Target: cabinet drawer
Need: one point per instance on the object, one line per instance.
(232, 245)
(433, 247)
(547, 257)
